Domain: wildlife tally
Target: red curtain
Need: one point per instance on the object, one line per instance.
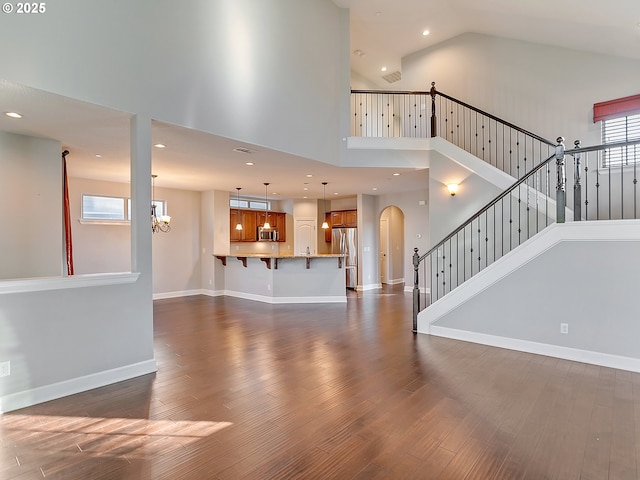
(620, 107)
(67, 217)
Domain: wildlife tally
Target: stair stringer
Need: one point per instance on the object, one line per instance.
(590, 287)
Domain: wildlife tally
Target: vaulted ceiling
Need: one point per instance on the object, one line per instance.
(383, 32)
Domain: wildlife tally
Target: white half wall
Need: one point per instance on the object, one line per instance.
(583, 274)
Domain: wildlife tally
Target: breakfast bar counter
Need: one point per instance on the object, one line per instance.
(285, 278)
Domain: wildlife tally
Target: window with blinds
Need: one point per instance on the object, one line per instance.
(621, 129)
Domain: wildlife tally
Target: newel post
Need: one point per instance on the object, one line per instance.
(577, 186)
(561, 199)
(416, 289)
(432, 92)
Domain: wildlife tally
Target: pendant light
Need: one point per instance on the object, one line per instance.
(239, 224)
(325, 225)
(266, 225)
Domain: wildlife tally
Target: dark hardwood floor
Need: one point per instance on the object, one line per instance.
(258, 391)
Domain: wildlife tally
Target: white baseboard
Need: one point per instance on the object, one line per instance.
(423, 290)
(395, 281)
(556, 351)
(371, 286)
(184, 293)
(212, 293)
(15, 401)
(285, 300)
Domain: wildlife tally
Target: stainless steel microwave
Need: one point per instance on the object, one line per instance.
(267, 234)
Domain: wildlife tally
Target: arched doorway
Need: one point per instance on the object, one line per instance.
(391, 246)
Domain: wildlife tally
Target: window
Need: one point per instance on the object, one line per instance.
(161, 207)
(248, 203)
(235, 203)
(621, 129)
(97, 207)
(620, 123)
(106, 209)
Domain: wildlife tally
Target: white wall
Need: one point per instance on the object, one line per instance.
(30, 206)
(176, 255)
(239, 69)
(105, 248)
(580, 273)
(547, 90)
(98, 248)
(417, 223)
(368, 243)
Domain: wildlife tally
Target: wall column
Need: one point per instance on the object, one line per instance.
(141, 259)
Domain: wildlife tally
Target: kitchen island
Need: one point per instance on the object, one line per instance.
(285, 278)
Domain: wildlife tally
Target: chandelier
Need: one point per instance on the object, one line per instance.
(161, 223)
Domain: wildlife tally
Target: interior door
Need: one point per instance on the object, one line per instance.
(384, 250)
(305, 236)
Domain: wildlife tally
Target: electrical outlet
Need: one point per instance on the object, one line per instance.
(5, 369)
(564, 328)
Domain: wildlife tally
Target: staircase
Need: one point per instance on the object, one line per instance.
(505, 243)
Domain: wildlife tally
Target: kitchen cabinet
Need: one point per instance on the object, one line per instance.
(344, 218)
(251, 220)
(277, 220)
(249, 232)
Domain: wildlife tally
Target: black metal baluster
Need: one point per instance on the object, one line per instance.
(479, 248)
(464, 254)
(622, 186)
(586, 185)
(486, 239)
(635, 180)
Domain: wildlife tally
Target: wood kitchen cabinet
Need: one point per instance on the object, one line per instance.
(277, 220)
(251, 220)
(344, 218)
(249, 231)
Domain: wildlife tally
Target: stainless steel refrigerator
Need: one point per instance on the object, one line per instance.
(345, 241)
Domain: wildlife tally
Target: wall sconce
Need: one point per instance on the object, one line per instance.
(453, 188)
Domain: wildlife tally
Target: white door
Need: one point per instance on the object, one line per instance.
(305, 236)
(384, 250)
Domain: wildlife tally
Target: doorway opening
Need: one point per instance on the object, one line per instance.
(392, 246)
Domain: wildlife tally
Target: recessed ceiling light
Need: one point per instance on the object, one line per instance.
(98, 155)
(250, 164)
(374, 188)
(13, 114)
(396, 174)
(160, 145)
(336, 193)
(306, 188)
(378, 14)
(425, 32)
(309, 175)
(383, 69)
